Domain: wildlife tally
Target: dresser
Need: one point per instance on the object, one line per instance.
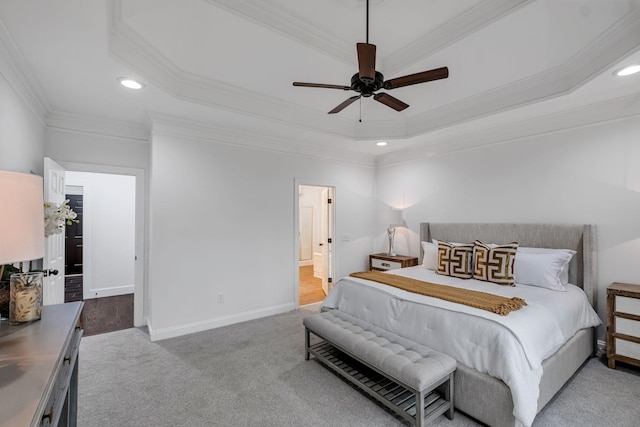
(384, 262)
(623, 324)
(39, 369)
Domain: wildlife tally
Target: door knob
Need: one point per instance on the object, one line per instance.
(51, 272)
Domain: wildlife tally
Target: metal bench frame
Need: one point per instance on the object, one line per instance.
(393, 393)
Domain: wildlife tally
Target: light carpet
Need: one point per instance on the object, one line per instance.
(254, 374)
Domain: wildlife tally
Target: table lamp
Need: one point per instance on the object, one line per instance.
(22, 239)
(391, 218)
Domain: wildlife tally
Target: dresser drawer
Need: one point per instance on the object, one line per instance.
(627, 327)
(627, 305)
(383, 264)
(627, 348)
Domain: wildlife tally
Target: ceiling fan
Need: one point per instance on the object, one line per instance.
(367, 80)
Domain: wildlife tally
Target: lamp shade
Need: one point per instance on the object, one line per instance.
(21, 217)
(391, 217)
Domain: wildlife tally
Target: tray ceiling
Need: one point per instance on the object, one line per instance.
(230, 63)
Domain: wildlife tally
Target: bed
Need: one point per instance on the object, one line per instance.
(507, 370)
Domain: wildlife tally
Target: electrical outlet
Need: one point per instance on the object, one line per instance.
(220, 298)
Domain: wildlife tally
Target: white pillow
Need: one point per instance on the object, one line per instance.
(430, 258)
(564, 274)
(541, 269)
(436, 241)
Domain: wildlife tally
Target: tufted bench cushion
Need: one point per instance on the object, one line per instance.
(413, 364)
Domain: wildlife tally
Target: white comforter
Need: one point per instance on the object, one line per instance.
(510, 347)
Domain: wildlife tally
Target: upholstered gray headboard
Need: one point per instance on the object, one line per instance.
(579, 237)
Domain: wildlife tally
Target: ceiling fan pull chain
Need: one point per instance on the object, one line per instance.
(360, 119)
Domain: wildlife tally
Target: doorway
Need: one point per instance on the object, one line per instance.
(106, 269)
(315, 242)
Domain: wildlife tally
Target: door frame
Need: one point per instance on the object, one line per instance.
(140, 305)
(296, 229)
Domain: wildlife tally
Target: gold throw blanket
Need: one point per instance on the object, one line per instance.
(482, 300)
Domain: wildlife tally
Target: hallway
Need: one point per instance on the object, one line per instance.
(310, 286)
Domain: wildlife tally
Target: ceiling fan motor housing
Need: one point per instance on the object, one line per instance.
(365, 88)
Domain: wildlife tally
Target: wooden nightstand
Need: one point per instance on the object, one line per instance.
(623, 324)
(384, 262)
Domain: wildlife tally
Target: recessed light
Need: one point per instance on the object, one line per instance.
(381, 143)
(130, 83)
(627, 71)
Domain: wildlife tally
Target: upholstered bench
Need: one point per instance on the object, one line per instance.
(394, 370)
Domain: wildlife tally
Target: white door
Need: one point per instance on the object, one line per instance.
(326, 238)
(53, 292)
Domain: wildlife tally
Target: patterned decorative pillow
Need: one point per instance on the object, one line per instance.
(455, 260)
(495, 263)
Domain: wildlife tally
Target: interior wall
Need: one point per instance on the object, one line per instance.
(583, 175)
(222, 228)
(21, 131)
(90, 148)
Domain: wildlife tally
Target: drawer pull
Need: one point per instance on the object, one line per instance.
(48, 415)
(386, 264)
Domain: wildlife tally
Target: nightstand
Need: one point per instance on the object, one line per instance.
(384, 262)
(623, 324)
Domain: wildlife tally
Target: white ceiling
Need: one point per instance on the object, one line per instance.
(226, 66)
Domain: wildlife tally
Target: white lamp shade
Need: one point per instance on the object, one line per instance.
(391, 217)
(21, 217)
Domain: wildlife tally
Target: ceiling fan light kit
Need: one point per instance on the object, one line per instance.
(367, 80)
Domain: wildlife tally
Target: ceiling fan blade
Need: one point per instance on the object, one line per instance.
(366, 62)
(344, 104)
(412, 79)
(320, 85)
(390, 101)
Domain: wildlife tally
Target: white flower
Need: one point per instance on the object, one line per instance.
(56, 217)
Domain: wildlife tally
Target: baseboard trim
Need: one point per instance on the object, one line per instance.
(191, 328)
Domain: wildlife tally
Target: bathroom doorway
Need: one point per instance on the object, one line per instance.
(315, 242)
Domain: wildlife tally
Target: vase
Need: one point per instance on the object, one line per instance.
(25, 303)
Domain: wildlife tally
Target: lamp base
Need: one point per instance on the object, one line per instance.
(391, 232)
(25, 303)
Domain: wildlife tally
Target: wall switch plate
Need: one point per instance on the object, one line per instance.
(345, 237)
(220, 298)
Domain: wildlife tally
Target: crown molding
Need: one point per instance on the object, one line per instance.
(292, 27)
(19, 76)
(619, 41)
(455, 29)
(163, 124)
(128, 47)
(97, 125)
(476, 136)
(303, 31)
